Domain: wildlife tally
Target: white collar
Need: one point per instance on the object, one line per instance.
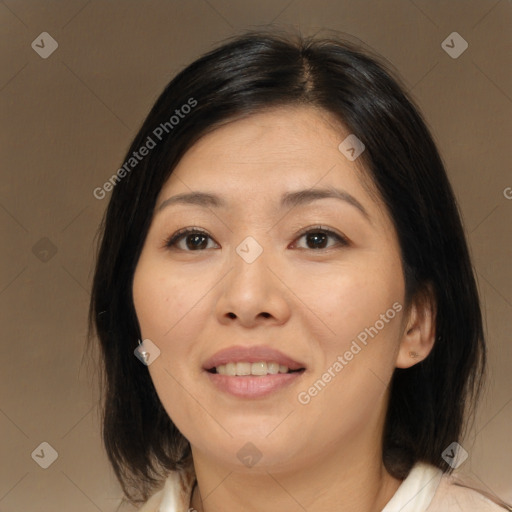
(417, 490)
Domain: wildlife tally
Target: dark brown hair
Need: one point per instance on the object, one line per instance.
(429, 402)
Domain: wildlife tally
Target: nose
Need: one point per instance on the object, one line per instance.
(253, 293)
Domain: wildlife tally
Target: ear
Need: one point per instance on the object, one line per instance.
(419, 334)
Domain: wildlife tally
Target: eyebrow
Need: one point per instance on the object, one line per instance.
(288, 200)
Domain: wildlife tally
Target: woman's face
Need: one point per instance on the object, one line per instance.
(330, 300)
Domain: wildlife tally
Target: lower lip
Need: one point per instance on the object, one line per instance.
(249, 386)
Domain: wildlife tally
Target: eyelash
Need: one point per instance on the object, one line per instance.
(170, 242)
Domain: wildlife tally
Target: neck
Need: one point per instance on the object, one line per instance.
(352, 479)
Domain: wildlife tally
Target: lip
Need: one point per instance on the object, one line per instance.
(252, 386)
(253, 354)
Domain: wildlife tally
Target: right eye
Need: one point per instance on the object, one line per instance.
(194, 239)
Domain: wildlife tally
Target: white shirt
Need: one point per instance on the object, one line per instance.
(426, 489)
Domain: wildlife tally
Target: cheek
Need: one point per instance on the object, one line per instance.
(161, 301)
(363, 313)
(358, 337)
(163, 307)
(170, 309)
(352, 298)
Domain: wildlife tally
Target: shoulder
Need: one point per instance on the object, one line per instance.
(428, 489)
(456, 493)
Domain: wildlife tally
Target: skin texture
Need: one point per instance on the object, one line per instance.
(307, 302)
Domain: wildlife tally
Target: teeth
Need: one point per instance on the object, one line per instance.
(273, 368)
(259, 368)
(243, 368)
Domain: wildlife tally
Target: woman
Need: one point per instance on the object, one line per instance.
(283, 253)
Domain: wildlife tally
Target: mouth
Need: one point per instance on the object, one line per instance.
(252, 372)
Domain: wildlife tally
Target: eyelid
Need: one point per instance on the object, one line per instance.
(331, 232)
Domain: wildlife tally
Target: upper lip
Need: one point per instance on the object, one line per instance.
(252, 354)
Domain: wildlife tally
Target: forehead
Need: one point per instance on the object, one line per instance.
(268, 153)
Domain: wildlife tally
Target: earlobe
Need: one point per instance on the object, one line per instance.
(420, 332)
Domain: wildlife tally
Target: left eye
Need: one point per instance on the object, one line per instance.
(318, 237)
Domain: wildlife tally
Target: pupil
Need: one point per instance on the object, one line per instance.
(195, 245)
(317, 236)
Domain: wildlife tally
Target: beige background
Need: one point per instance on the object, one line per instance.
(67, 121)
